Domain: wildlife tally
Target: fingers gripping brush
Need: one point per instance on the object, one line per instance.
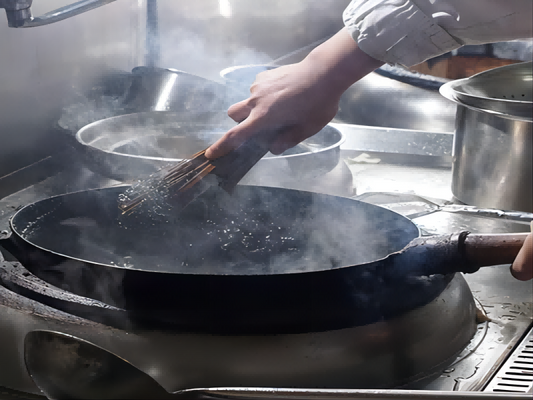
(178, 185)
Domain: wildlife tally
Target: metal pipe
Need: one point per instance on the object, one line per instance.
(152, 34)
(19, 12)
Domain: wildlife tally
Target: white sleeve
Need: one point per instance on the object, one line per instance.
(409, 32)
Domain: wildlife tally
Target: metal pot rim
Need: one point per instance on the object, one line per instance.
(458, 91)
(447, 90)
(226, 72)
(458, 87)
(81, 139)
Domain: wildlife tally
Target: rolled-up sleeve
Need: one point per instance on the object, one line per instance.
(408, 32)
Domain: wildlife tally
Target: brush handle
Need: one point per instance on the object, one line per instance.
(232, 167)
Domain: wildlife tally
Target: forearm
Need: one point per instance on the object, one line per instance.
(338, 63)
(408, 32)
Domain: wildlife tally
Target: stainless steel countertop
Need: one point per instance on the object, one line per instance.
(507, 302)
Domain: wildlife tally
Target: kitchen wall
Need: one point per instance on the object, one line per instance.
(206, 36)
(42, 69)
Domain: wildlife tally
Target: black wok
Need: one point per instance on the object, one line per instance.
(262, 260)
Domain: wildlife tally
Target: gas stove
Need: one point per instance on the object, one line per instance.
(499, 358)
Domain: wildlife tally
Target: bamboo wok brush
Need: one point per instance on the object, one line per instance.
(179, 184)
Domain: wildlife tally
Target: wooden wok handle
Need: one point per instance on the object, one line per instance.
(460, 252)
(493, 249)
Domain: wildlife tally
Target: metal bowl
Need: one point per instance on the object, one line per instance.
(166, 89)
(135, 145)
(146, 89)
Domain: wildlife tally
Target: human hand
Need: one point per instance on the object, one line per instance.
(289, 101)
(296, 101)
(522, 267)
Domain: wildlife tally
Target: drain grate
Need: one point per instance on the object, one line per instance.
(516, 374)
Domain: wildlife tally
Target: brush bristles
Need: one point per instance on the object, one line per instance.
(170, 181)
(187, 180)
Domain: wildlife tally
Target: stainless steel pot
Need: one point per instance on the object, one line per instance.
(507, 90)
(492, 152)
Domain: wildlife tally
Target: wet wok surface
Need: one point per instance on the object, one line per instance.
(257, 231)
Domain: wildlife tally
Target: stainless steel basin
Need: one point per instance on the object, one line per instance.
(377, 100)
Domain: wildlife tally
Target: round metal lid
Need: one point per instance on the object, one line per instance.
(506, 90)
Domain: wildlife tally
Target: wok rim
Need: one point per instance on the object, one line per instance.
(138, 270)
